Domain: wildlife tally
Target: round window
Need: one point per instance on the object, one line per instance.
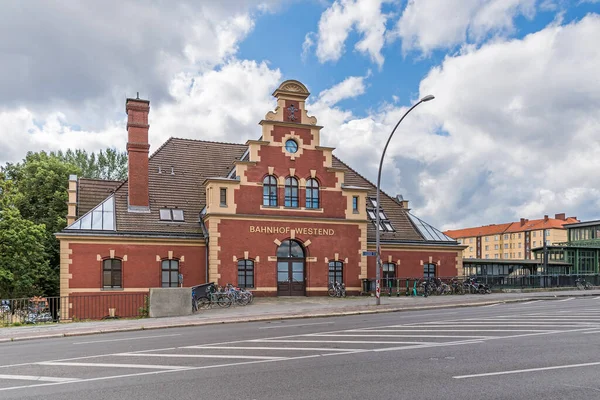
(291, 146)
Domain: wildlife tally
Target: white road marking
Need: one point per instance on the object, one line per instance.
(133, 338)
(102, 365)
(519, 371)
(332, 341)
(596, 298)
(411, 336)
(425, 336)
(409, 329)
(297, 325)
(485, 324)
(570, 298)
(491, 305)
(587, 333)
(198, 356)
(270, 348)
(37, 378)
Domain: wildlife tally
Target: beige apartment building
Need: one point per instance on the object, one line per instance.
(512, 240)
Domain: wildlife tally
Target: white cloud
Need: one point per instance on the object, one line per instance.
(350, 87)
(307, 45)
(336, 23)
(76, 68)
(513, 132)
(457, 21)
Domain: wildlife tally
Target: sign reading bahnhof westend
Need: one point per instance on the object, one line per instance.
(286, 229)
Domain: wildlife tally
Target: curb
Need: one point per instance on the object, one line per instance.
(287, 317)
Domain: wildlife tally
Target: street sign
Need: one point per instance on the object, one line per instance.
(370, 253)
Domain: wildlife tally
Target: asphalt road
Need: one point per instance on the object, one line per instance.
(535, 350)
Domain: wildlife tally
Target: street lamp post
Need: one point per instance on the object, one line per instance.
(377, 218)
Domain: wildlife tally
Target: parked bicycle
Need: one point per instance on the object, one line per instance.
(336, 289)
(208, 295)
(582, 284)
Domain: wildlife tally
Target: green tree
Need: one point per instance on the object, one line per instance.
(35, 191)
(107, 164)
(24, 266)
(41, 183)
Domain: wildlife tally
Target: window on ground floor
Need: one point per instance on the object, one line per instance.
(246, 273)
(429, 270)
(170, 273)
(112, 273)
(336, 271)
(388, 274)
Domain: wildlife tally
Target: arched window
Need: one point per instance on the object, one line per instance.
(246, 273)
(336, 271)
(270, 191)
(290, 249)
(429, 270)
(291, 192)
(312, 193)
(112, 273)
(170, 273)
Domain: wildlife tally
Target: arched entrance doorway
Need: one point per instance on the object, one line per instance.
(290, 269)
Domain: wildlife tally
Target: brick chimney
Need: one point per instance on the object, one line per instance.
(523, 220)
(561, 216)
(137, 152)
(545, 218)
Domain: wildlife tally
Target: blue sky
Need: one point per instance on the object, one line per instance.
(401, 73)
(513, 131)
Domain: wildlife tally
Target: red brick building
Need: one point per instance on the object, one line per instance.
(280, 215)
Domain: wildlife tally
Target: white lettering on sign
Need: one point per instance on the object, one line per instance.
(283, 230)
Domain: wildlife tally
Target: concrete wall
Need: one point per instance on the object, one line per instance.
(170, 302)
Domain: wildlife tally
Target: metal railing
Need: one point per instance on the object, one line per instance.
(35, 310)
(402, 286)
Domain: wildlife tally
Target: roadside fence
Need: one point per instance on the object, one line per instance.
(401, 286)
(76, 307)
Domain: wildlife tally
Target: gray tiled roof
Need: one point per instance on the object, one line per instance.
(184, 164)
(192, 161)
(91, 192)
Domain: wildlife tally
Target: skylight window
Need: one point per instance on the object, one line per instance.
(384, 223)
(171, 214)
(100, 218)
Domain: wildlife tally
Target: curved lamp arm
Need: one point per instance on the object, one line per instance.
(377, 218)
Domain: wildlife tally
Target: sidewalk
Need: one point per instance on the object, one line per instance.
(266, 309)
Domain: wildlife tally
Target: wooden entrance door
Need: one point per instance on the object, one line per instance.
(290, 278)
(290, 269)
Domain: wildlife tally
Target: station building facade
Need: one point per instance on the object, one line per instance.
(281, 215)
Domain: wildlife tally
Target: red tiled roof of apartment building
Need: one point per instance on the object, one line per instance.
(512, 227)
(486, 230)
(537, 224)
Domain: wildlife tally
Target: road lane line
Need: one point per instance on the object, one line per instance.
(270, 348)
(486, 324)
(410, 336)
(431, 336)
(102, 365)
(37, 378)
(491, 305)
(132, 338)
(520, 371)
(408, 329)
(105, 378)
(199, 356)
(570, 298)
(297, 325)
(334, 341)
